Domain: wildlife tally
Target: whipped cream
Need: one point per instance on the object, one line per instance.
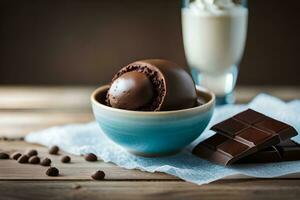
(212, 6)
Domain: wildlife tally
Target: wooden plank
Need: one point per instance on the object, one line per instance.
(24, 109)
(77, 98)
(18, 124)
(37, 118)
(53, 97)
(136, 190)
(245, 93)
(31, 108)
(78, 169)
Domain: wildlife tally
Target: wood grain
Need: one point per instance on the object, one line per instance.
(77, 98)
(78, 169)
(54, 97)
(26, 109)
(239, 189)
(14, 124)
(244, 94)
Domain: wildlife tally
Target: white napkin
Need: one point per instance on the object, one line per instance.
(88, 138)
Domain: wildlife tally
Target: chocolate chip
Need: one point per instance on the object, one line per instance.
(65, 159)
(32, 152)
(98, 175)
(23, 159)
(54, 150)
(52, 171)
(34, 160)
(46, 162)
(90, 157)
(16, 155)
(76, 187)
(4, 155)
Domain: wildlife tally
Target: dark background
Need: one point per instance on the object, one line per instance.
(87, 41)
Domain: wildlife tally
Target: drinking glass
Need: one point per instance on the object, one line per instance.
(214, 35)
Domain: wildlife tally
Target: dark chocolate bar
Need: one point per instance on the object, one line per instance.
(237, 125)
(285, 151)
(241, 135)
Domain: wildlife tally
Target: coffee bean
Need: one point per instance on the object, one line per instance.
(52, 171)
(16, 155)
(34, 160)
(23, 159)
(65, 159)
(32, 152)
(4, 155)
(98, 175)
(90, 157)
(54, 150)
(77, 187)
(46, 162)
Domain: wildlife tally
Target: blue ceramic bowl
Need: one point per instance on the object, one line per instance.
(152, 133)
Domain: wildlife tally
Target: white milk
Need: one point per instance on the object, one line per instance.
(214, 34)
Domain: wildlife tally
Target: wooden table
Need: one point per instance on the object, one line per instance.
(24, 109)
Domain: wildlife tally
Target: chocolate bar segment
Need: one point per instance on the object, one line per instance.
(220, 149)
(215, 141)
(270, 154)
(230, 150)
(250, 118)
(285, 151)
(230, 127)
(252, 136)
(289, 150)
(243, 135)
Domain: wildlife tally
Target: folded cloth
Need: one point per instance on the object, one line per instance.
(88, 138)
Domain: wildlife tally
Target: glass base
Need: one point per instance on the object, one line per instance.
(227, 99)
(220, 84)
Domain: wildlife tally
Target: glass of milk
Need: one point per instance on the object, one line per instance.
(214, 35)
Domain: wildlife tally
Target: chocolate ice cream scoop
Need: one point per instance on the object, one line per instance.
(152, 85)
(132, 90)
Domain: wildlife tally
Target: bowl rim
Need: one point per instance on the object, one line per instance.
(208, 104)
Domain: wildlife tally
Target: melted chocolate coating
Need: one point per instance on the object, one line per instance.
(152, 85)
(131, 91)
